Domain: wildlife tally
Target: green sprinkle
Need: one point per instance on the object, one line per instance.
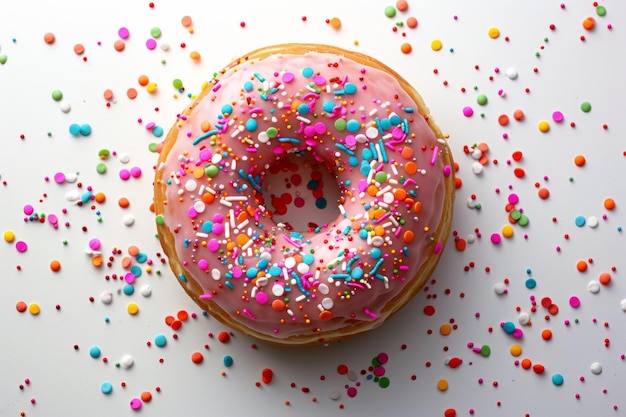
(152, 147)
(160, 220)
(57, 95)
(585, 106)
(390, 11)
(485, 350)
(383, 382)
(601, 10)
(101, 168)
(481, 99)
(178, 84)
(104, 153)
(155, 32)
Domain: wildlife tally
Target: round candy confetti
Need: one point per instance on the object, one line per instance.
(160, 340)
(596, 368)
(127, 361)
(493, 32)
(574, 301)
(9, 236)
(106, 387)
(390, 11)
(585, 106)
(557, 379)
(436, 45)
(135, 403)
(94, 352)
(49, 38)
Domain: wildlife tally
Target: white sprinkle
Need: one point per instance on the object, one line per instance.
(596, 368)
(523, 318)
(106, 297)
(127, 361)
(128, 220)
(593, 287)
(225, 203)
(146, 290)
(499, 288)
(592, 222)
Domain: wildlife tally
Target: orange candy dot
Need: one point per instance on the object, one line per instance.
(186, 21)
(450, 412)
(589, 23)
(146, 396)
(223, 336)
(21, 306)
(408, 236)
(546, 334)
(609, 204)
(79, 49)
(410, 167)
(526, 363)
(197, 357)
(411, 22)
(581, 266)
(49, 38)
(579, 160)
(503, 120)
(543, 193)
(406, 48)
(460, 244)
(402, 5)
(407, 152)
(97, 260)
(518, 115)
(108, 94)
(195, 55)
(55, 265)
(131, 93)
(539, 368)
(123, 202)
(266, 375)
(119, 45)
(143, 80)
(325, 315)
(604, 278)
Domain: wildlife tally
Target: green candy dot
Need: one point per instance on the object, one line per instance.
(272, 132)
(57, 95)
(523, 220)
(485, 350)
(177, 83)
(585, 106)
(340, 125)
(101, 168)
(104, 153)
(160, 220)
(601, 10)
(383, 382)
(481, 99)
(3, 59)
(390, 11)
(211, 170)
(152, 147)
(381, 176)
(155, 32)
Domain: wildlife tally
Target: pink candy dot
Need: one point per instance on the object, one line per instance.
(261, 297)
(124, 174)
(94, 244)
(574, 301)
(135, 172)
(21, 246)
(28, 209)
(351, 392)
(151, 44)
(467, 111)
(123, 33)
(288, 77)
(496, 238)
(59, 177)
(135, 403)
(203, 264)
(557, 116)
(129, 278)
(513, 198)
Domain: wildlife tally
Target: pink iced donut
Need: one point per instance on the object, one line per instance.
(305, 195)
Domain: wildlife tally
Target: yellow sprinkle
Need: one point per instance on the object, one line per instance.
(445, 329)
(442, 384)
(151, 88)
(543, 126)
(34, 309)
(507, 230)
(9, 236)
(132, 308)
(436, 45)
(494, 33)
(515, 350)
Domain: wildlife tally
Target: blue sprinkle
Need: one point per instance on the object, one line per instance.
(308, 259)
(262, 264)
(409, 109)
(182, 277)
(353, 125)
(363, 234)
(328, 106)
(106, 387)
(353, 161)
(95, 352)
(227, 109)
(321, 203)
(228, 361)
(141, 257)
(128, 289)
(135, 270)
(251, 273)
(367, 154)
(229, 285)
(531, 283)
(385, 124)
(357, 273)
(376, 253)
(557, 379)
(85, 129)
(395, 119)
(580, 221)
(303, 109)
(157, 131)
(508, 327)
(259, 77)
(160, 340)
(207, 227)
(307, 72)
(251, 125)
(350, 88)
(275, 271)
(248, 86)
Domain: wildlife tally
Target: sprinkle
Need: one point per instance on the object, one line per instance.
(49, 38)
(585, 106)
(406, 48)
(493, 32)
(543, 126)
(589, 23)
(436, 45)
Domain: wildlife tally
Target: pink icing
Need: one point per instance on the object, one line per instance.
(325, 112)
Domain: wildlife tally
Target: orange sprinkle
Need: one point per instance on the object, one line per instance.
(539, 368)
(55, 265)
(581, 266)
(100, 198)
(417, 207)
(410, 167)
(278, 305)
(399, 194)
(406, 48)
(195, 55)
(146, 396)
(21, 306)
(198, 172)
(242, 239)
(518, 115)
(445, 329)
(131, 93)
(519, 172)
(543, 193)
(325, 315)
(589, 23)
(609, 204)
(408, 236)
(460, 244)
(546, 334)
(526, 363)
(205, 126)
(503, 120)
(79, 49)
(266, 375)
(402, 5)
(411, 22)
(49, 38)
(208, 198)
(133, 250)
(335, 22)
(579, 160)
(97, 260)
(108, 94)
(126, 262)
(169, 320)
(372, 190)
(197, 357)
(143, 80)
(407, 152)
(604, 278)
(186, 21)
(123, 202)
(119, 45)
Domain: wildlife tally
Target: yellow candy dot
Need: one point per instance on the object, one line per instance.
(543, 126)
(445, 329)
(9, 236)
(34, 309)
(151, 88)
(494, 33)
(436, 45)
(515, 350)
(132, 308)
(507, 231)
(442, 384)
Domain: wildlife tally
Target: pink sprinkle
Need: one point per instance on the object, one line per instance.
(467, 111)
(94, 244)
(574, 301)
(123, 33)
(151, 44)
(135, 403)
(288, 77)
(513, 198)
(28, 209)
(135, 172)
(59, 178)
(124, 174)
(21, 246)
(557, 116)
(129, 278)
(496, 238)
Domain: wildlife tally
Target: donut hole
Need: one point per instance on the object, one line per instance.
(301, 193)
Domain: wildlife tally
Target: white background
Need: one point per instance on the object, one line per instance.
(64, 381)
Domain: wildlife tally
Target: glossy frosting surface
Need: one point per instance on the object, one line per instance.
(303, 192)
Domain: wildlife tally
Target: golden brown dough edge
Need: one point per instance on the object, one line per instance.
(194, 290)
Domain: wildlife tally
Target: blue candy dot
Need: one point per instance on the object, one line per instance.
(85, 129)
(353, 125)
(157, 131)
(94, 352)
(106, 387)
(328, 106)
(353, 161)
(262, 264)
(385, 124)
(356, 273)
(227, 109)
(207, 226)
(248, 86)
(141, 257)
(321, 203)
(252, 272)
(363, 234)
(135, 270)
(128, 289)
(312, 185)
(74, 129)
(395, 119)
(531, 283)
(251, 125)
(274, 271)
(367, 154)
(228, 360)
(376, 253)
(557, 379)
(160, 340)
(580, 221)
(307, 71)
(349, 88)
(308, 259)
(303, 109)
(508, 327)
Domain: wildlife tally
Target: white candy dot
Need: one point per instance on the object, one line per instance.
(477, 168)
(278, 290)
(622, 304)
(592, 222)
(499, 288)
(146, 290)
(327, 303)
(471, 203)
(216, 274)
(124, 158)
(323, 289)
(71, 177)
(191, 185)
(334, 394)
(511, 73)
(471, 238)
(596, 368)
(352, 375)
(593, 287)
(302, 268)
(290, 262)
(128, 220)
(523, 319)
(72, 195)
(65, 107)
(127, 361)
(106, 297)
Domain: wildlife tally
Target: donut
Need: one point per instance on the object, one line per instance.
(305, 195)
